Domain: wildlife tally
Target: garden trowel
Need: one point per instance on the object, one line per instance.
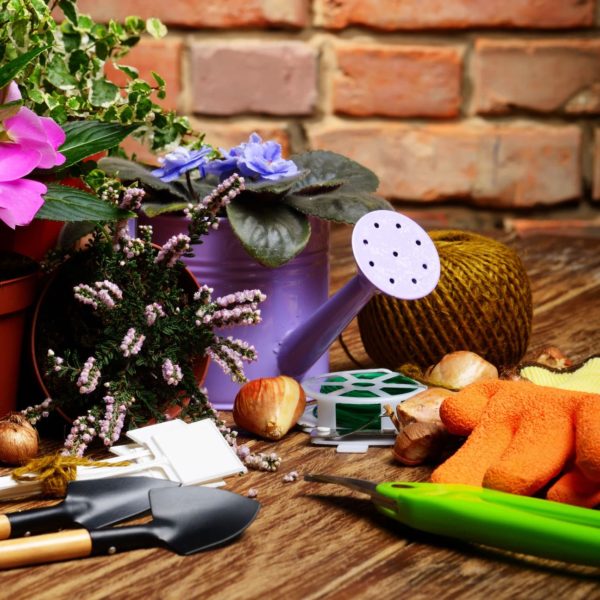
(93, 504)
(185, 520)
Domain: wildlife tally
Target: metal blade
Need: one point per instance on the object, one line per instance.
(359, 485)
(189, 520)
(113, 499)
(92, 503)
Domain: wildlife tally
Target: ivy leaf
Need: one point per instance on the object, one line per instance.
(131, 72)
(155, 28)
(103, 93)
(13, 67)
(85, 138)
(270, 232)
(58, 73)
(342, 205)
(322, 166)
(68, 9)
(63, 203)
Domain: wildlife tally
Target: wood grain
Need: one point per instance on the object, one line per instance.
(314, 541)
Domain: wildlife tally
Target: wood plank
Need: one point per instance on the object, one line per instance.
(315, 541)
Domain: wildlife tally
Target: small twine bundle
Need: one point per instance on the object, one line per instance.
(482, 303)
(54, 471)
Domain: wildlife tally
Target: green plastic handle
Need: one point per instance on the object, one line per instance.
(516, 523)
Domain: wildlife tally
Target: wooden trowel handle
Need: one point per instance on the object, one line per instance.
(4, 527)
(52, 547)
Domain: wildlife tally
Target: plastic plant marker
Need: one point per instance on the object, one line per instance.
(125, 450)
(199, 453)
(394, 256)
(189, 454)
(352, 448)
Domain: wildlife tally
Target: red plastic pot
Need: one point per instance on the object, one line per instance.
(16, 296)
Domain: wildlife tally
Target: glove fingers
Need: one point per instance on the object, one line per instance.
(538, 452)
(588, 437)
(461, 412)
(575, 488)
(482, 449)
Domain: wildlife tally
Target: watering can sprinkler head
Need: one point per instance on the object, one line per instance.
(395, 256)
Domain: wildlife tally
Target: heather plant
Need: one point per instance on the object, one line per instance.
(124, 326)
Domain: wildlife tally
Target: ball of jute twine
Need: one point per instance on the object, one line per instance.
(482, 303)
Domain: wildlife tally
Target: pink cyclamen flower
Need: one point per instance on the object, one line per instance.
(27, 142)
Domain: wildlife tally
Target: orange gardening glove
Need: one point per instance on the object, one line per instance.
(521, 437)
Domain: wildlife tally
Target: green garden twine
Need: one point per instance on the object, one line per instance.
(482, 303)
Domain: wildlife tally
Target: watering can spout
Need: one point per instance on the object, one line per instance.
(394, 255)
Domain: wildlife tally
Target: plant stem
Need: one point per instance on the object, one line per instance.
(190, 188)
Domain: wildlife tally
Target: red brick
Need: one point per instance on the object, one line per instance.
(459, 14)
(541, 75)
(161, 56)
(226, 135)
(596, 159)
(204, 13)
(397, 81)
(221, 135)
(253, 77)
(515, 165)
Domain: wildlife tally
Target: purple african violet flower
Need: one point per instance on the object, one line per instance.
(262, 160)
(182, 160)
(255, 159)
(29, 142)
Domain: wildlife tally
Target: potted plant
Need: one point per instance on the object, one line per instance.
(18, 279)
(57, 58)
(275, 233)
(120, 328)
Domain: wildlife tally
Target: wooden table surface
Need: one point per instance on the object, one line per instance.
(312, 541)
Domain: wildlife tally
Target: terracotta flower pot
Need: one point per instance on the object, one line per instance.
(16, 296)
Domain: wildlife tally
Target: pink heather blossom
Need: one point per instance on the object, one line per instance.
(88, 377)
(173, 249)
(132, 343)
(30, 142)
(103, 293)
(171, 372)
(132, 199)
(152, 312)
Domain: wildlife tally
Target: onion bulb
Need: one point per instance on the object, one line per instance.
(458, 369)
(18, 440)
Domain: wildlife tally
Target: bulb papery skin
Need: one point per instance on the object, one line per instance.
(18, 440)
(269, 407)
(461, 368)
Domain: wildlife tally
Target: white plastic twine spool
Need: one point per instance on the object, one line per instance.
(352, 400)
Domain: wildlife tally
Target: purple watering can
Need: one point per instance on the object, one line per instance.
(394, 255)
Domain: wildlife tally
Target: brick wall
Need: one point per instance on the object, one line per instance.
(488, 103)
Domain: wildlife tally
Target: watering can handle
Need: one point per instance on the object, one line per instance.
(302, 347)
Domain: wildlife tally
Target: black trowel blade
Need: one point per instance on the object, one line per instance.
(189, 520)
(112, 500)
(92, 503)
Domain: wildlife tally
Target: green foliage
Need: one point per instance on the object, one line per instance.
(270, 218)
(64, 203)
(60, 68)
